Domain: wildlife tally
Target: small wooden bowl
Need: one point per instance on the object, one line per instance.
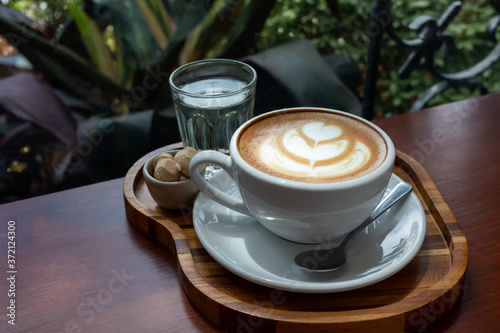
(170, 195)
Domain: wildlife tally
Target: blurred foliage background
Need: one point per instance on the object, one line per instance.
(74, 107)
(345, 31)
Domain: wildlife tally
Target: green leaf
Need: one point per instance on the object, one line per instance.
(56, 73)
(140, 47)
(38, 51)
(193, 48)
(163, 17)
(421, 4)
(94, 42)
(216, 31)
(397, 101)
(244, 37)
(153, 24)
(124, 69)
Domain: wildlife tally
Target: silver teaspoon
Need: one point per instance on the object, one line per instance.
(324, 260)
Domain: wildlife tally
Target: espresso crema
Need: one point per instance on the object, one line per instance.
(312, 146)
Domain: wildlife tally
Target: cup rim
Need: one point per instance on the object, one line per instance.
(248, 86)
(379, 171)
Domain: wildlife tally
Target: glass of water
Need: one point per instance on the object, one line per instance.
(212, 98)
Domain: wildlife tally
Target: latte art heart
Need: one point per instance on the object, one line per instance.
(312, 147)
(318, 131)
(300, 154)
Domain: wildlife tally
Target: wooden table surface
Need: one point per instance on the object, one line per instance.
(81, 267)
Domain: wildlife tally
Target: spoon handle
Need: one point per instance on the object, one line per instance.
(398, 192)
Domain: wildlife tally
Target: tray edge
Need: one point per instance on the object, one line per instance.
(405, 315)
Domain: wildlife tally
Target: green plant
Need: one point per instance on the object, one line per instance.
(113, 45)
(109, 62)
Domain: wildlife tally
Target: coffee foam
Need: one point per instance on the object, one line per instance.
(312, 146)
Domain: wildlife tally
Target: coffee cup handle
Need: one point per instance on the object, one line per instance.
(224, 161)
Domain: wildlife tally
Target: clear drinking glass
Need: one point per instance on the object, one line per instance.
(212, 98)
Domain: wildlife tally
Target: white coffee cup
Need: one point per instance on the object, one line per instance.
(303, 212)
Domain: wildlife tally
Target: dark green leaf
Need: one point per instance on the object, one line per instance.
(242, 37)
(94, 42)
(32, 46)
(131, 28)
(164, 19)
(213, 32)
(154, 26)
(191, 15)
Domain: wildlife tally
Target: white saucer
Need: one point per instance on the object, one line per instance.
(240, 244)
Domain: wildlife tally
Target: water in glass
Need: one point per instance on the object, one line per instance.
(209, 114)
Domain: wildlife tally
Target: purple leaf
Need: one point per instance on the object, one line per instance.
(31, 99)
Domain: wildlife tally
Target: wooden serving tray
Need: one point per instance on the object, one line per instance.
(408, 301)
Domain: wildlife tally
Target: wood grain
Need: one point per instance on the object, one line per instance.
(70, 243)
(458, 144)
(81, 267)
(433, 279)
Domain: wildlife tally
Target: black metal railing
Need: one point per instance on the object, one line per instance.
(431, 38)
